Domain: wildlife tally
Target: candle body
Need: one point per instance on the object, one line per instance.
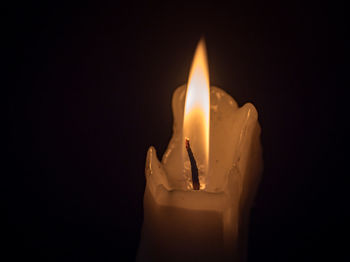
(181, 224)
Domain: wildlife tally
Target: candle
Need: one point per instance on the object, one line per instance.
(197, 199)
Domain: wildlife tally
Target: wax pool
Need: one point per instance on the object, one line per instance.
(181, 224)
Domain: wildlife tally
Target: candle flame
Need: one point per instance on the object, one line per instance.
(197, 108)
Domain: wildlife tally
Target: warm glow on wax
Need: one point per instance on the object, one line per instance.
(197, 108)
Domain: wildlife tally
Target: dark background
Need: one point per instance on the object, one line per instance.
(90, 90)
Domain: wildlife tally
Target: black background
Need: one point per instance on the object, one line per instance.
(90, 90)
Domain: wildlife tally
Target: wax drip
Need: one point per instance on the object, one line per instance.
(194, 168)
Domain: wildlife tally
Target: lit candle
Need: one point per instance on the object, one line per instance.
(197, 200)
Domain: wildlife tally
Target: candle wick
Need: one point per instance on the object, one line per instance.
(194, 168)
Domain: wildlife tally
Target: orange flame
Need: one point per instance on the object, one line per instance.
(197, 108)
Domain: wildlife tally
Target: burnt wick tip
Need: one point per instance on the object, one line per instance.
(187, 143)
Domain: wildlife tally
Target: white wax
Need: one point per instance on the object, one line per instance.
(181, 224)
